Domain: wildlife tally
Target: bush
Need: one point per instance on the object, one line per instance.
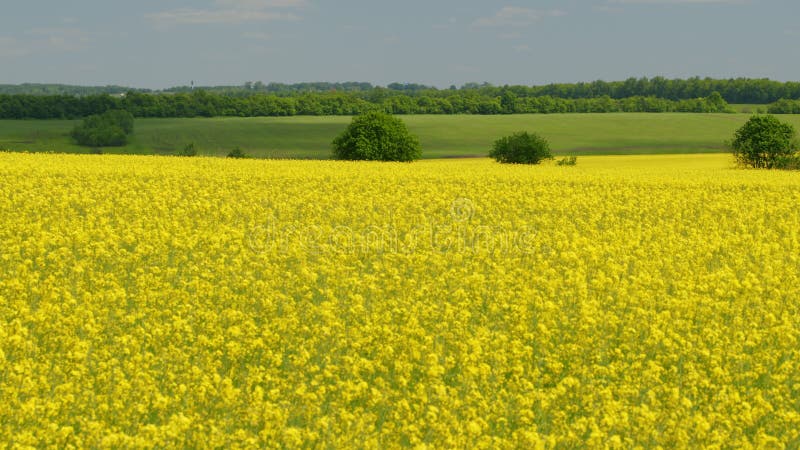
(567, 161)
(237, 153)
(189, 150)
(521, 148)
(376, 136)
(765, 142)
(110, 129)
(784, 106)
(94, 133)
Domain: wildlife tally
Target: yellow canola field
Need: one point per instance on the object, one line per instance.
(627, 302)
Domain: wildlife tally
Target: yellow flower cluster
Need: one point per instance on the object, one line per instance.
(627, 302)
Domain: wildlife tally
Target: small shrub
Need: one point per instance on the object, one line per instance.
(567, 161)
(237, 153)
(189, 150)
(521, 148)
(765, 142)
(376, 136)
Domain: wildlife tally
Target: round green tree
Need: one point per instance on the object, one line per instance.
(765, 142)
(376, 136)
(110, 129)
(521, 148)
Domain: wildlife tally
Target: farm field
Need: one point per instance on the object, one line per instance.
(441, 136)
(629, 301)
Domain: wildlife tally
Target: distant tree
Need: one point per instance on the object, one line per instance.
(376, 136)
(765, 142)
(521, 148)
(110, 129)
(121, 118)
(716, 99)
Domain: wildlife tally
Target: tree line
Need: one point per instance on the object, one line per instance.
(204, 104)
(733, 90)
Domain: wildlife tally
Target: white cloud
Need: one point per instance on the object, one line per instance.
(200, 16)
(260, 4)
(230, 12)
(512, 35)
(450, 23)
(608, 9)
(45, 40)
(257, 35)
(461, 68)
(10, 47)
(516, 17)
(354, 28)
(522, 48)
(86, 68)
(60, 39)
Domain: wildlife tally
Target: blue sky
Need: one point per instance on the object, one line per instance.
(158, 44)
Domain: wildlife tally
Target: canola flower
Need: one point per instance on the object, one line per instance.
(627, 302)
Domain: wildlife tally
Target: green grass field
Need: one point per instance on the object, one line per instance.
(441, 136)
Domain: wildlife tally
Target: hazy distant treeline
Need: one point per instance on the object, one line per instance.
(734, 90)
(200, 103)
(63, 89)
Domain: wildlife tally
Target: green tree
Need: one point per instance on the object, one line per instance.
(765, 142)
(718, 104)
(110, 129)
(376, 136)
(121, 118)
(521, 148)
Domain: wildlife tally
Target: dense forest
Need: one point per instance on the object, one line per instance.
(276, 99)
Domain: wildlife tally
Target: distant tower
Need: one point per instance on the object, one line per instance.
(192, 85)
